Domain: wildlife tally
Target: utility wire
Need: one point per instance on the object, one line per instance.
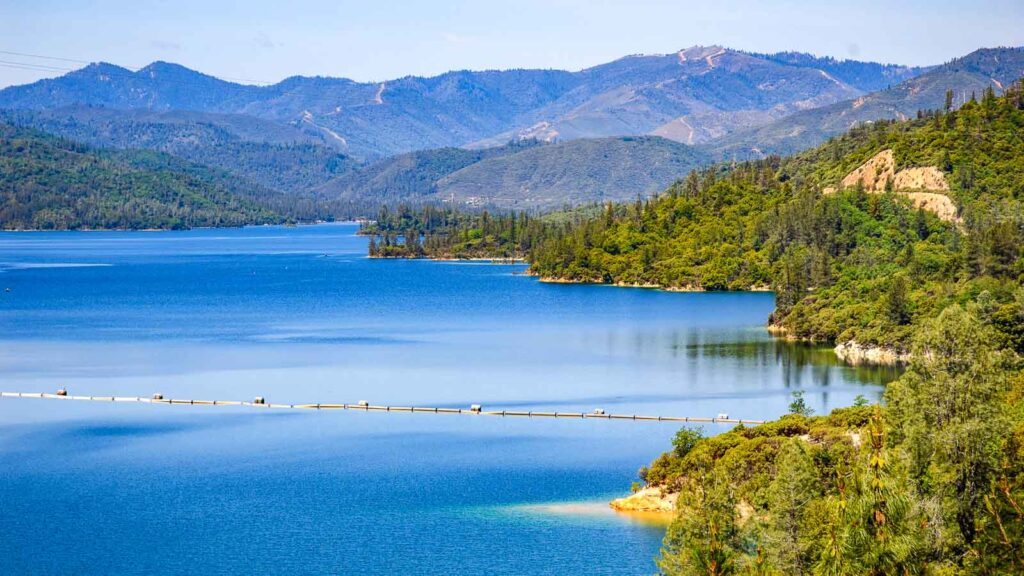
(37, 66)
(48, 68)
(44, 57)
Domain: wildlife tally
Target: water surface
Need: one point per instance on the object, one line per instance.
(300, 315)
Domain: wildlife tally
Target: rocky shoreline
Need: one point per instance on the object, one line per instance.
(646, 285)
(857, 354)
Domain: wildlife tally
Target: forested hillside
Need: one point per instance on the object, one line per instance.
(846, 266)
(55, 184)
(867, 76)
(446, 233)
(931, 482)
(971, 75)
(412, 177)
(522, 175)
(275, 156)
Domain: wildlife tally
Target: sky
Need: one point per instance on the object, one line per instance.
(263, 41)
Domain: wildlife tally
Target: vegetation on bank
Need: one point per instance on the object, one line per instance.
(446, 233)
(931, 484)
(846, 266)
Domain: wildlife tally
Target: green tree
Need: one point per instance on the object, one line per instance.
(705, 539)
(946, 412)
(790, 497)
(685, 439)
(876, 529)
(799, 405)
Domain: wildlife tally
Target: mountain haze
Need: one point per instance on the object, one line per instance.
(527, 174)
(972, 74)
(273, 155)
(690, 96)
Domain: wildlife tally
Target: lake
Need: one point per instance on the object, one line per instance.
(300, 315)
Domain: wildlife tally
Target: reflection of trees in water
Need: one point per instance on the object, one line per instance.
(797, 365)
(801, 364)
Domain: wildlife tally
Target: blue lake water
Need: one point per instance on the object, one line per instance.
(300, 315)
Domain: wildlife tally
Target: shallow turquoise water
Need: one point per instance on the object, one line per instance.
(299, 315)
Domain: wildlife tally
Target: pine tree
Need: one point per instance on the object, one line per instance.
(947, 410)
(795, 485)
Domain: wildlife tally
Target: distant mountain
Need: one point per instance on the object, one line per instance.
(971, 74)
(690, 96)
(276, 156)
(411, 177)
(866, 76)
(523, 175)
(53, 183)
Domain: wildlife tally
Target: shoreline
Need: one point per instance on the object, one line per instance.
(644, 285)
(648, 500)
(280, 225)
(451, 259)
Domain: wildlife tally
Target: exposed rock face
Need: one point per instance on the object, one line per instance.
(650, 499)
(854, 353)
(926, 178)
(874, 173)
(939, 204)
(921, 185)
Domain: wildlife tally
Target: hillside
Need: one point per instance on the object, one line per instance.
(573, 172)
(928, 482)
(866, 76)
(411, 177)
(525, 175)
(690, 96)
(851, 261)
(276, 156)
(972, 74)
(56, 184)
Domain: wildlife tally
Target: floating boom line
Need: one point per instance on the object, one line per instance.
(475, 410)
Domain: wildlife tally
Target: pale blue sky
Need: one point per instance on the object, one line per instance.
(268, 40)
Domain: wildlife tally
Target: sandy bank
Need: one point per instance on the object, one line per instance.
(650, 499)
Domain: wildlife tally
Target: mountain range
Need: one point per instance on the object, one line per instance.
(689, 96)
(522, 138)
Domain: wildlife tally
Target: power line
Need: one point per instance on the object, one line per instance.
(36, 66)
(48, 68)
(44, 57)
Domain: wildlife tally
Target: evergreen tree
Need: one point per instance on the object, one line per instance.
(796, 484)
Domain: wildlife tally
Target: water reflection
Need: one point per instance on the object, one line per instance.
(237, 313)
